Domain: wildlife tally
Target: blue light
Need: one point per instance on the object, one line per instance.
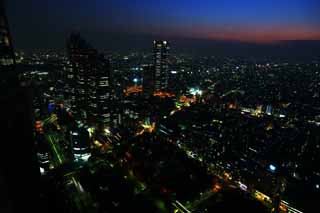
(135, 80)
(50, 107)
(272, 167)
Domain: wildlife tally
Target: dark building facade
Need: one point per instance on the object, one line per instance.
(100, 98)
(161, 55)
(7, 59)
(82, 58)
(19, 171)
(69, 88)
(89, 81)
(148, 80)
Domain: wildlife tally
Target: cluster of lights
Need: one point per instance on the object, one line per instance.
(195, 91)
(82, 157)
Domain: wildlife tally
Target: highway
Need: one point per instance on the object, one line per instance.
(75, 190)
(57, 152)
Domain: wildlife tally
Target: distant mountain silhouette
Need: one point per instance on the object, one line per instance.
(123, 42)
(280, 50)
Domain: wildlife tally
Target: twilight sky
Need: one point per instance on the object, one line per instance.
(46, 23)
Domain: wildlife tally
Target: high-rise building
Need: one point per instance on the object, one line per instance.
(89, 79)
(148, 80)
(83, 61)
(80, 143)
(19, 171)
(7, 58)
(69, 88)
(99, 86)
(161, 55)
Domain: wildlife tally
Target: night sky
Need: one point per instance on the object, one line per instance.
(46, 23)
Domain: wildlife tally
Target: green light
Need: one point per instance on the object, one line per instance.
(55, 149)
(160, 204)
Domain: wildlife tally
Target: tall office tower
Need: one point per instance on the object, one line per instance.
(148, 80)
(161, 55)
(99, 92)
(83, 61)
(90, 73)
(117, 98)
(70, 87)
(19, 171)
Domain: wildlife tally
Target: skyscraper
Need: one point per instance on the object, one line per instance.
(88, 77)
(19, 171)
(7, 59)
(69, 88)
(161, 55)
(100, 92)
(82, 58)
(148, 80)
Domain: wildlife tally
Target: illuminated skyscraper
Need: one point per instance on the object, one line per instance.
(88, 76)
(82, 58)
(161, 55)
(70, 90)
(100, 92)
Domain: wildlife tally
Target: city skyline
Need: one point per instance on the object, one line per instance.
(248, 21)
(168, 125)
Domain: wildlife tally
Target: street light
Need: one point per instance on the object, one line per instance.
(272, 168)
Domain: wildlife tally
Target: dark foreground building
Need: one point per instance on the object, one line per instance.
(148, 80)
(19, 175)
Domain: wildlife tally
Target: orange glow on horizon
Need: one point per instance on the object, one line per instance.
(250, 34)
(273, 35)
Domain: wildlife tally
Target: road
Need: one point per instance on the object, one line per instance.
(57, 152)
(75, 190)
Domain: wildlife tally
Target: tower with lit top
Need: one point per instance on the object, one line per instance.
(161, 56)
